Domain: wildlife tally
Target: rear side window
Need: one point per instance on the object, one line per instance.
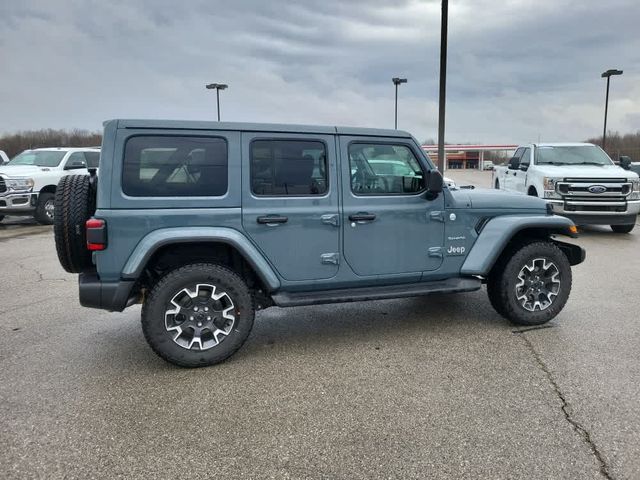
(162, 166)
(288, 167)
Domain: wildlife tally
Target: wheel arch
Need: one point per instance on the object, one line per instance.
(533, 191)
(502, 233)
(227, 245)
(48, 189)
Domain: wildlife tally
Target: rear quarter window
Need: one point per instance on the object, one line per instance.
(170, 166)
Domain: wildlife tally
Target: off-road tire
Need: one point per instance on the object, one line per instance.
(75, 203)
(41, 215)
(157, 302)
(623, 228)
(501, 284)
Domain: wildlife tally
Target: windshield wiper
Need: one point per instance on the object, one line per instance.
(589, 163)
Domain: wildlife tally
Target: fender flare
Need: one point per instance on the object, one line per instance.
(497, 233)
(167, 236)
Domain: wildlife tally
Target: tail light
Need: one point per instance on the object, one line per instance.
(96, 234)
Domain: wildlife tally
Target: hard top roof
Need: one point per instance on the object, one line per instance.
(256, 127)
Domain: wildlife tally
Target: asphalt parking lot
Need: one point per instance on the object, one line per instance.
(434, 387)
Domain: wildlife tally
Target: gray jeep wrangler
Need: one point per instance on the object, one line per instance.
(206, 222)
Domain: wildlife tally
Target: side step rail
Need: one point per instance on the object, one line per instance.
(319, 297)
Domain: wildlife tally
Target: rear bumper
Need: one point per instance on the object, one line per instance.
(112, 296)
(627, 214)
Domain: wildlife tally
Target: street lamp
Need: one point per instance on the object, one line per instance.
(397, 81)
(217, 87)
(607, 75)
(443, 83)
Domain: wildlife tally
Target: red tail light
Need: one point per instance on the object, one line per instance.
(96, 234)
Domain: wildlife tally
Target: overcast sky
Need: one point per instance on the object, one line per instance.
(518, 70)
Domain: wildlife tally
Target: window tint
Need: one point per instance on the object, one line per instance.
(92, 159)
(526, 157)
(175, 166)
(288, 167)
(378, 169)
(76, 159)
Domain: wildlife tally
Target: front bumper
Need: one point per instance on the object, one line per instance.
(597, 213)
(18, 203)
(112, 296)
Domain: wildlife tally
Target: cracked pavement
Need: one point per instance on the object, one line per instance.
(437, 387)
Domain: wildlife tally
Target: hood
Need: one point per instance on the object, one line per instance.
(22, 170)
(488, 198)
(586, 171)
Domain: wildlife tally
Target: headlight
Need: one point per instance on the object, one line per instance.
(19, 184)
(635, 189)
(549, 184)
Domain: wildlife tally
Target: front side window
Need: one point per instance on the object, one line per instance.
(76, 160)
(288, 167)
(40, 158)
(159, 166)
(384, 169)
(92, 159)
(526, 157)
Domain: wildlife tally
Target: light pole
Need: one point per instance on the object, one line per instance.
(607, 75)
(443, 82)
(217, 87)
(397, 81)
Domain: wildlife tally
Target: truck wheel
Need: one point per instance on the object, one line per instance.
(75, 203)
(622, 228)
(533, 284)
(198, 315)
(45, 209)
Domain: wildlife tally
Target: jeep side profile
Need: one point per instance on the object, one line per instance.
(206, 222)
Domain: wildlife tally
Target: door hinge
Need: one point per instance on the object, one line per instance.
(330, 258)
(436, 216)
(331, 219)
(435, 252)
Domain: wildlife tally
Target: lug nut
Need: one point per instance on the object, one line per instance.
(208, 318)
(195, 309)
(199, 324)
(206, 309)
(191, 318)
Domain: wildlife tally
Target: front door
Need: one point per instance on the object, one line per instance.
(520, 178)
(389, 225)
(290, 202)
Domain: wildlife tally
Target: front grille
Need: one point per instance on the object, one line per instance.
(604, 189)
(3, 186)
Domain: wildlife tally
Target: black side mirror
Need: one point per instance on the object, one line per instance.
(625, 162)
(514, 163)
(435, 183)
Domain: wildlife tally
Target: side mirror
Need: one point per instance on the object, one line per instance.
(514, 163)
(435, 183)
(75, 165)
(625, 162)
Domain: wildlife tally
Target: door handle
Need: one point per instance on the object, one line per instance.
(362, 217)
(269, 219)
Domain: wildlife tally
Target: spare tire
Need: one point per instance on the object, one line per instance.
(75, 203)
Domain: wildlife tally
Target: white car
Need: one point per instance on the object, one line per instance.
(28, 182)
(578, 180)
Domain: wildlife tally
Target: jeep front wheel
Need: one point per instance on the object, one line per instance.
(533, 285)
(198, 315)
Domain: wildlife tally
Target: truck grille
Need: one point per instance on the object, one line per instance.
(595, 194)
(3, 186)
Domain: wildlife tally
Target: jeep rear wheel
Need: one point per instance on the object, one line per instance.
(198, 315)
(623, 228)
(533, 285)
(75, 203)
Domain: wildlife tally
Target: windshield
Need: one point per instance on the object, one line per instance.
(576, 155)
(41, 158)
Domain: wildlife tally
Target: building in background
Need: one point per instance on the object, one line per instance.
(471, 156)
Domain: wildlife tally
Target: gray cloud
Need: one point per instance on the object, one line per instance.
(517, 69)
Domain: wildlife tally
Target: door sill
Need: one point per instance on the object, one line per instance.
(346, 295)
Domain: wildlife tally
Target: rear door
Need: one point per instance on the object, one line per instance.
(290, 202)
(390, 227)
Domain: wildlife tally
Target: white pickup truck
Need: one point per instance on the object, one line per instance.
(579, 180)
(28, 182)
